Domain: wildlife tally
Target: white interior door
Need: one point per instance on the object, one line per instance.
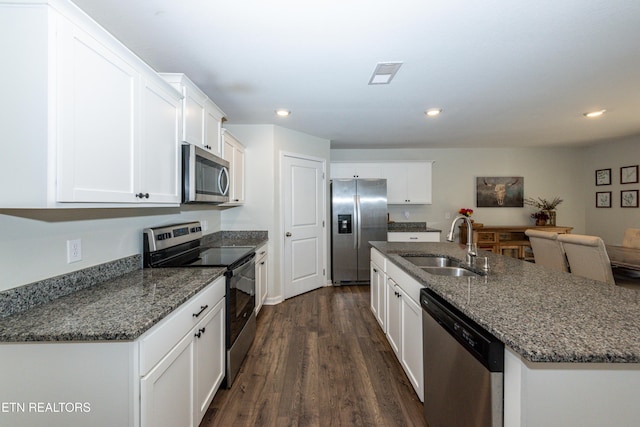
(304, 201)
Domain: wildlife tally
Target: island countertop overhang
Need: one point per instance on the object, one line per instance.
(543, 315)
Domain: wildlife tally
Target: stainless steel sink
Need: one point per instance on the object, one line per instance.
(450, 271)
(441, 266)
(432, 261)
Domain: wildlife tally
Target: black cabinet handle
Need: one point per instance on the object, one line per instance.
(198, 335)
(142, 195)
(202, 308)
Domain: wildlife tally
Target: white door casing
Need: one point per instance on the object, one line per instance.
(303, 199)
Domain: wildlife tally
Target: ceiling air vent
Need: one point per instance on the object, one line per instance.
(384, 73)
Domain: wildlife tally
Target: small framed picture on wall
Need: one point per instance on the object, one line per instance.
(603, 199)
(629, 174)
(603, 176)
(629, 198)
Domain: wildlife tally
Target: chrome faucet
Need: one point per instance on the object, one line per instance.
(471, 253)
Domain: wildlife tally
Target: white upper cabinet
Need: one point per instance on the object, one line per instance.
(407, 182)
(159, 144)
(213, 127)
(201, 118)
(233, 152)
(356, 170)
(93, 124)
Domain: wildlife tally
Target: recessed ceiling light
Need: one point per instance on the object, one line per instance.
(384, 73)
(282, 112)
(432, 112)
(594, 114)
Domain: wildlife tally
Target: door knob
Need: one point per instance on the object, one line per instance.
(287, 234)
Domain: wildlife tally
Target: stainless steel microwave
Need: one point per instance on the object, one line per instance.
(205, 177)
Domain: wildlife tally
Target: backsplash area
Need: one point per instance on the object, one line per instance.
(28, 296)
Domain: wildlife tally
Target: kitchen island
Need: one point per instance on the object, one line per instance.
(572, 344)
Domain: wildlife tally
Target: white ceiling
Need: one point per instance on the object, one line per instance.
(505, 72)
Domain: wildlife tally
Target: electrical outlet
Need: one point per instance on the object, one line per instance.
(205, 224)
(74, 250)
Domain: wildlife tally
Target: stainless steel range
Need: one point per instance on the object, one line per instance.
(180, 245)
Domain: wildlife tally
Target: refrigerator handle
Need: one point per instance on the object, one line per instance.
(359, 220)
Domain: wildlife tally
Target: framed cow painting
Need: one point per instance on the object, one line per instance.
(500, 192)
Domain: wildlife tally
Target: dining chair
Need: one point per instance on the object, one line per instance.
(547, 250)
(587, 257)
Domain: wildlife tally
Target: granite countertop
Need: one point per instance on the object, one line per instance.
(122, 308)
(118, 309)
(409, 227)
(543, 315)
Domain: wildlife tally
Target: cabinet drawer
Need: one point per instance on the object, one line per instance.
(486, 237)
(161, 338)
(420, 236)
(261, 252)
(378, 259)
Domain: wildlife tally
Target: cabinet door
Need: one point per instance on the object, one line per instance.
(209, 362)
(411, 342)
(194, 116)
(419, 182)
(357, 170)
(396, 175)
(166, 392)
(343, 170)
(238, 175)
(212, 128)
(394, 316)
(97, 120)
(159, 146)
(233, 152)
(378, 295)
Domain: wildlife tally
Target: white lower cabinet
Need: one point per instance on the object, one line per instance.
(166, 392)
(166, 377)
(178, 389)
(403, 316)
(394, 316)
(411, 342)
(378, 294)
(262, 276)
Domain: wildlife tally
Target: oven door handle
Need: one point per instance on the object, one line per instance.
(246, 260)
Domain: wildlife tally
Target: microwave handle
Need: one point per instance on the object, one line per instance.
(223, 171)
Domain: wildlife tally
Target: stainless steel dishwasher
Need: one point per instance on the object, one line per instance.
(463, 368)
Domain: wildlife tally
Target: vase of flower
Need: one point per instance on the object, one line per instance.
(541, 217)
(552, 217)
(548, 207)
(466, 212)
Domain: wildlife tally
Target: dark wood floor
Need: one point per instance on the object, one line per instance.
(319, 359)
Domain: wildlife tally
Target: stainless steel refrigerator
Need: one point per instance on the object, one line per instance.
(358, 215)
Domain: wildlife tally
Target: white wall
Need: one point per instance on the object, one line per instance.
(262, 210)
(33, 242)
(547, 172)
(610, 223)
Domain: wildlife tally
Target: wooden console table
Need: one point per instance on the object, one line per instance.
(508, 240)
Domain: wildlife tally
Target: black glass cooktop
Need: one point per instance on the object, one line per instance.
(221, 256)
